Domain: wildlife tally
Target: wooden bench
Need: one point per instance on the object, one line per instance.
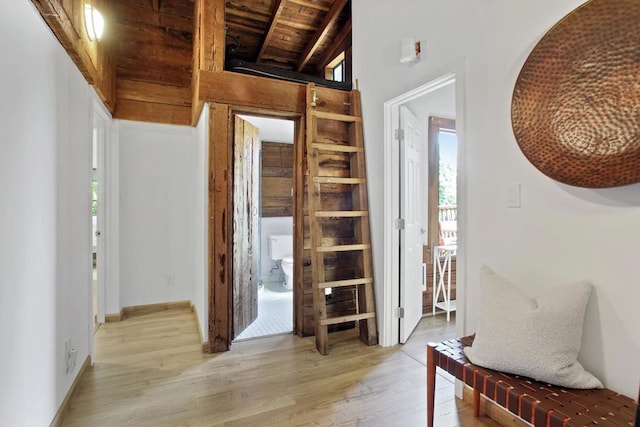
(538, 403)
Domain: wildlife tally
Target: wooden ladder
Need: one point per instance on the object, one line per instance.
(320, 145)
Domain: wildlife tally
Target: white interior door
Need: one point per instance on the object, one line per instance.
(100, 133)
(411, 201)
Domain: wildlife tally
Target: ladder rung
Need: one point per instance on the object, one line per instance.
(344, 319)
(336, 116)
(331, 214)
(350, 282)
(343, 248)
(337, 147)
(320, 139)
(338, 180)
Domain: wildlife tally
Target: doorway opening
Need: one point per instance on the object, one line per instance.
(442, 216)
(95, 230)
(100, 135)
(409, 279)
(263, 210)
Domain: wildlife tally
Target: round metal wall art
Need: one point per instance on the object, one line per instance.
(576, 104)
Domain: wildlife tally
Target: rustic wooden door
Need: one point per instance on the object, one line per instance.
(411, 196)
(246, 233)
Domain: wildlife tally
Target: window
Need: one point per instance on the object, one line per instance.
(338, 72)
(335, 70)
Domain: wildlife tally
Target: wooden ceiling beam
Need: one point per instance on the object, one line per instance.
(336, 46)
(251, 91)
(271, 27)
(139, 111)
(312, 5)
(242, 91)
(322, 32)
(96, 61)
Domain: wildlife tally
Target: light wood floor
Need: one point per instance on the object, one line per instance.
(149, 371)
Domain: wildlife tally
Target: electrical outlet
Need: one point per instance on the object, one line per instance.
(70, 356)
(171, 280)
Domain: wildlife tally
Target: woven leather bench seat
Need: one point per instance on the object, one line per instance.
(540, 404)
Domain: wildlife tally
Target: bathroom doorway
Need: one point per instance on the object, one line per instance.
(273, 168)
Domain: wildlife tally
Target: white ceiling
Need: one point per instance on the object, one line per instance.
(272, 130)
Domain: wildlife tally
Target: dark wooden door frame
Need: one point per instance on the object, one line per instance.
(435, 124)
(220, 244)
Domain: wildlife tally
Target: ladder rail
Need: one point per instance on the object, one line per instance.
(317, 258)
(366, 300)
(360, 247)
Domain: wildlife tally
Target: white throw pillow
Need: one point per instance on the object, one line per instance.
(539, 338)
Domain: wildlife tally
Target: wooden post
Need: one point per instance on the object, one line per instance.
(298, 225)
(208, 47)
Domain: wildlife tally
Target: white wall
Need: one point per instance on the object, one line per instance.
(158, 188)
(561, 233)
(45, 222)
(201, 222)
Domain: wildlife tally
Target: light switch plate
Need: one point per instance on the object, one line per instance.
(513, 196)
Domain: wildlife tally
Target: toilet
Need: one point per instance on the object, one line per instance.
(281, 249)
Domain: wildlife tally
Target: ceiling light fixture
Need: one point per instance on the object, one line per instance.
(93, 22)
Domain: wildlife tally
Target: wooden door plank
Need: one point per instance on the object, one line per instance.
(246, 147)
(219, 229)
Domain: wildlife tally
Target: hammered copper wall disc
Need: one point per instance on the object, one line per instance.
(576, 104)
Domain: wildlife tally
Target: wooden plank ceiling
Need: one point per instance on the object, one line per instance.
(154, 47)
(290, 34)
(153, 60)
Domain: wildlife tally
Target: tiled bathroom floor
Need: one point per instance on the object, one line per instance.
(275, 312)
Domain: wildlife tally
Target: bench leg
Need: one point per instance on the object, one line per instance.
(476, 403)
(431, 382)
